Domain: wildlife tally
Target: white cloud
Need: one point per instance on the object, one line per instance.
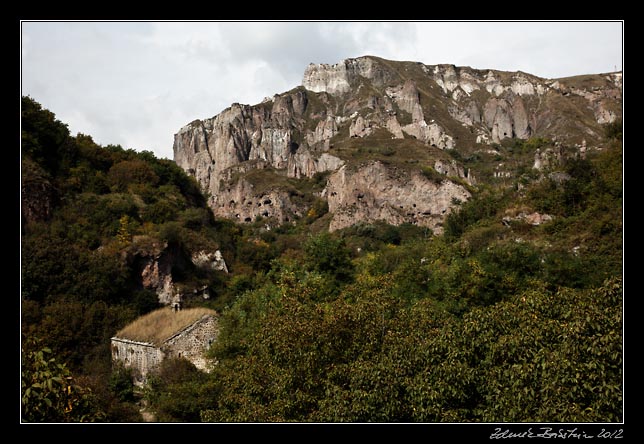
(137, 83)
(546, 49)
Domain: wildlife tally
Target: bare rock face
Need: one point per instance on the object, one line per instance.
(453, 169)
(520, 123)
(339, 78)
(432, 134)
(268, 136)
(244, 202)
(506, 119)
(393, 126)
(407, 97)
(360, 128)
(209, 261)
(305, 164)
(323, 133)
(377, 192)
(155, 262)
(343, 115)
(469, 114)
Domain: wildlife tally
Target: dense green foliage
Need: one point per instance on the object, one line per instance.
(369, 356)
(496, 320)
(78, 284)
(49, 392)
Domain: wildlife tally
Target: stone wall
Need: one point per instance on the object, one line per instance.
(141, 357)
(192, 342)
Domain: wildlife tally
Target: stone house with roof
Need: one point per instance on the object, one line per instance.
(168, 332)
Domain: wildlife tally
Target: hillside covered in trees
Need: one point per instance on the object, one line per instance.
(498, 319)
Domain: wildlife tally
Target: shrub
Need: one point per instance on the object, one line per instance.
(127, 172)
(327, 254)
(614, 130)
(49, 392)
(431, 174)
(121, 383)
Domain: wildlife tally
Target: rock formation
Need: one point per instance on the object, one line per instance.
(209, 261)
(154, 262)
(376, 192)
(247, 157)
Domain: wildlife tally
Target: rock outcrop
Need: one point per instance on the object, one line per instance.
(377, 192)
(246, 202)
(247, 157)
(209, 261)
(453, 169)
(341, 77)
(548, 158)
(154, 261)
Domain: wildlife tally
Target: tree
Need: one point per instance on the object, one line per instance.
(329, 255)
(124, 234)
(128, 172)
(367, 355)
(45, 138)
(179, 391)
(49, 393)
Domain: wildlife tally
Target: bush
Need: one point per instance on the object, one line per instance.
(121, 383)
(481, 206)
(195, 218)
(145, 301)
(432, 175)
(328, 255)
(128, 172)
(178, 392)
(319, 208)
(614, 130)
(160, 211)
(171, 232)
(49, 393)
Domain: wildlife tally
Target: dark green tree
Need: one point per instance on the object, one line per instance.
(329, 255)
(49, 393)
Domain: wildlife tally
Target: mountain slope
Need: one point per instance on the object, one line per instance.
(400, 142)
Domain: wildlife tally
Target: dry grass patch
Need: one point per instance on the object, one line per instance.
(157, 326)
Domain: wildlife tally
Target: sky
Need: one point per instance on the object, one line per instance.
(136, 84)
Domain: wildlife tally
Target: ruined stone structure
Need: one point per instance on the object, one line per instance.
(145, 355)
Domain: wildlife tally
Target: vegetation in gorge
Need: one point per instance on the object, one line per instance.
(496, 320)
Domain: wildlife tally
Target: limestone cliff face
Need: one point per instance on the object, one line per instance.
(154, 262)
(246, 157)
(246, 202)
(341, 77)
(220, 150)
(377, 192)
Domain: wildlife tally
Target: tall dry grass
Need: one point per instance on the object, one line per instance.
(160, 324)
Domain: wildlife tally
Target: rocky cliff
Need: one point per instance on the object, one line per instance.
(153, 263)
(372, 126)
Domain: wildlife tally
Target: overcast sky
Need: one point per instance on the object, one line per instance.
(137, 83)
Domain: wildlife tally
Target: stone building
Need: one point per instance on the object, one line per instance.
(168, 332)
